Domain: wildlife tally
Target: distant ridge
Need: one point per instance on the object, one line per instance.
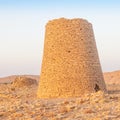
(110, 77)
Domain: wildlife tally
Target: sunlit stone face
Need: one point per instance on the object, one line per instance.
(70, 66)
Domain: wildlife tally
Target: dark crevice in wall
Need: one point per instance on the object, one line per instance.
(97, 88)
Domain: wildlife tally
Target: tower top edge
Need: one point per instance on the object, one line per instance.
(66, 20)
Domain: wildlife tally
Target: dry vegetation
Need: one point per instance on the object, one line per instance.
(20, 103)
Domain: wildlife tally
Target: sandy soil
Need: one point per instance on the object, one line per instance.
(19, 102)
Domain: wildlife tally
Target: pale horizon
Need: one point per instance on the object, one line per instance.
(22, 29)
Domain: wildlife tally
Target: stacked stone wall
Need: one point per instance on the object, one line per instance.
(70, 66)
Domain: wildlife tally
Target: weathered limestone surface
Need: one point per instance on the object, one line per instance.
(70, 66)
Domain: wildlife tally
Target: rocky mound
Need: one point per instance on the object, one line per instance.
(10, 79)
(23, 81)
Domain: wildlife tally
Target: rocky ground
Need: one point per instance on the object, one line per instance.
(18, 101)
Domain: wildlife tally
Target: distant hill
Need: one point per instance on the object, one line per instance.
(110, 77)
(10, 79)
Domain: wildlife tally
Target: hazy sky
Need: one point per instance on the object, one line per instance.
(22, 25)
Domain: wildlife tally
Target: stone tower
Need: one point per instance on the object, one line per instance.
(70, 66)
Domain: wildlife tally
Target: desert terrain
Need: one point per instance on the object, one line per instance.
(18, 101)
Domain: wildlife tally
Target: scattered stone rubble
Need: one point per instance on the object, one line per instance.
(22, 103)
